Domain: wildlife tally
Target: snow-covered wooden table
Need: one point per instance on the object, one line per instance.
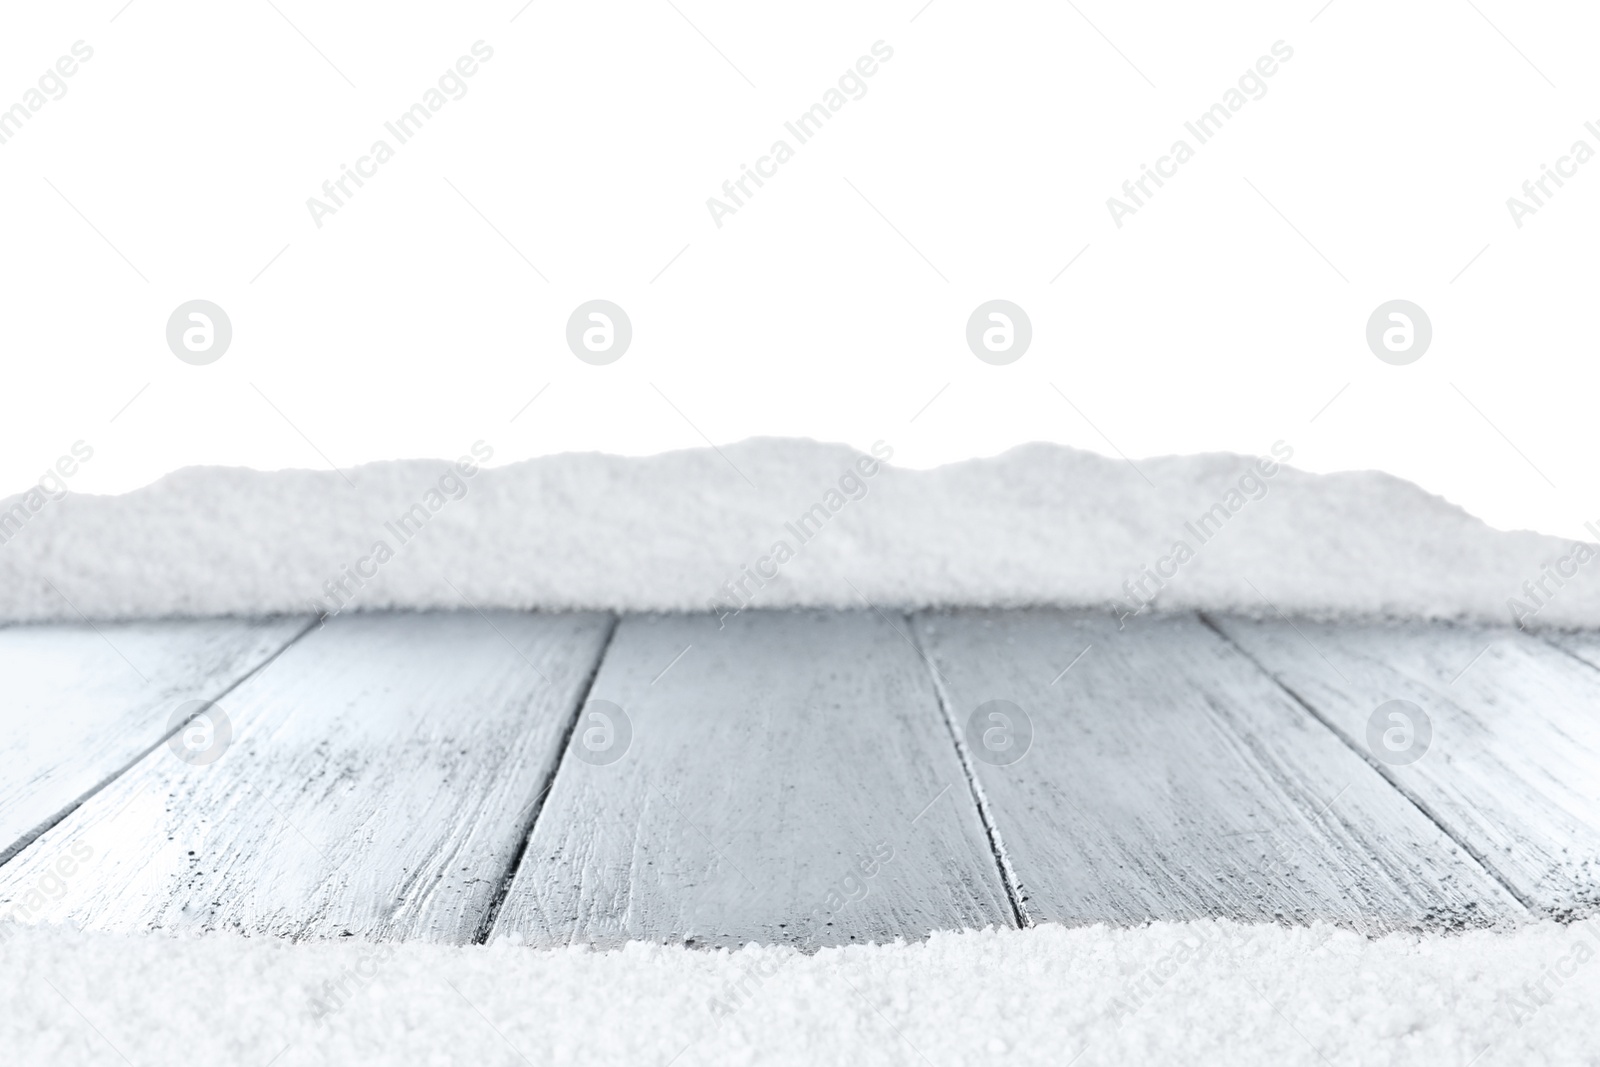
(809, 778)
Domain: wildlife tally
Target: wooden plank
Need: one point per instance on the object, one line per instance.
(1169, 779)
(381, 777)
(1513, 765)
(1584, 645)
(789, 780)
(81, 703)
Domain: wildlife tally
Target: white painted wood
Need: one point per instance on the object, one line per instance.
(1168, 778)
(1513, 767)
(80, 703)
(1584, 645)
(380, 781)
(774, 765)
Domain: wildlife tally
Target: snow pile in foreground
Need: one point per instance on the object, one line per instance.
(776, 523)
(1209, 992)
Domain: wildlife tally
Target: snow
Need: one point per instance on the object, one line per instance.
(1208, 992)
(1041, 524)
(690, 531)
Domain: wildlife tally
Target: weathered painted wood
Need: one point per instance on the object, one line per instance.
(380, 781)
(1168, 778)
(1512, 769)
(81, 703)
(1584, 645)
(789, 780)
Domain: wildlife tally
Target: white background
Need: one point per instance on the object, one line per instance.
(407, 326)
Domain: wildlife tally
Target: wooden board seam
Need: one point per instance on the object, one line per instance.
(1559, 647)
(1477, 855)
(486, 927)
(10, 852)
(997, 848)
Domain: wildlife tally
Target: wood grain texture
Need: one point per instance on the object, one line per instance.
(381, 778)
(1584, 645)
(1513, 767)
(789, 780)
(81, 703)
(1169, 779)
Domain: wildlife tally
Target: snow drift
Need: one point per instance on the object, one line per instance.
(1207, 992)
(783, 523)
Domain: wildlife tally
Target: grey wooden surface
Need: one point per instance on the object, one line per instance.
(1513, 765)
(789, 780)
(1168, 779)
(1582, 646)
(805, 778)
(80, 703)
(381, 779)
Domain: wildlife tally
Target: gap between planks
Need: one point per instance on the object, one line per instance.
(757, 767)
(11, 850)
(1514, 783)
(486, 928)
(1120, 824)
(991, 825)
(405, 766)
(1002, 862)
(1461, 841)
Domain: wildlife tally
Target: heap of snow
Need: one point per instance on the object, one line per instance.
(1205, 992)
(780, 523)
